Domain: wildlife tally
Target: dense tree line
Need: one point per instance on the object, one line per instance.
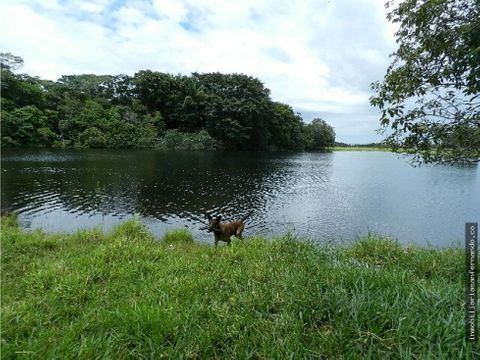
(369, 145)
(151, 109)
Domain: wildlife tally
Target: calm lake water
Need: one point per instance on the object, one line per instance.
(327, 197)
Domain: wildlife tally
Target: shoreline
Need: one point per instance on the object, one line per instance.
(360, 148)
(123, 293)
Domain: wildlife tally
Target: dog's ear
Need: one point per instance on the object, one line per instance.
(209, 217)
(219, 217)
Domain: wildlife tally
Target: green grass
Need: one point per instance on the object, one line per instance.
(124, 294)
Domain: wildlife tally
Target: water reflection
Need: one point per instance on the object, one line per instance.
(331, 197)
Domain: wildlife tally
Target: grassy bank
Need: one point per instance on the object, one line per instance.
(122, 294)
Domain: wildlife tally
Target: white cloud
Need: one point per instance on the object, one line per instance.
(318, 56)
(94, 7)
(171, 9)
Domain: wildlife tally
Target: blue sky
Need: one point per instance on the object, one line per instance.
(318, 56)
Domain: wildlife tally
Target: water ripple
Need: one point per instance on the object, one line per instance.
(325, 196)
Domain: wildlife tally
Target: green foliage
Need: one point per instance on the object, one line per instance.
(122, 294)
(88, 86)
(91, 115)
(176, 140)
(27, 125)
(192, 103)
(156, 119)
(429, 96)
(157, 92)
(8, 61)
(130, 130)
(230, 132)
(151, 109)
(319, 135)
(238, 110)
(286, 128)
(92, 137)
(20, 90)
(118, 127)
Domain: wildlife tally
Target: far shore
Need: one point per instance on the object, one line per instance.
(360, 148)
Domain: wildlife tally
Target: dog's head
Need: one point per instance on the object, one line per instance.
(213, 222)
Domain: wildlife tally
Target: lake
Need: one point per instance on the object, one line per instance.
(333, 197)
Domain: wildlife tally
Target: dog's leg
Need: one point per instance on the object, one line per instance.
(239, 232)
(217, 237)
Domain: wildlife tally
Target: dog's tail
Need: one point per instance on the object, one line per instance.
(247, 215)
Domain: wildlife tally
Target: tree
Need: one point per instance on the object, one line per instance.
(155, 91)
(237, 111)
(92, 137)
(286, 128)
(121, 89)
(429, 98)
(20, 90)
(127, 129)
(10, 62)
(26, 126)
(319, 135)
(92, 115)
(89, 86)
(150, 109)
(191, 103)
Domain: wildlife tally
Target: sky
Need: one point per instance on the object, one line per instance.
(319, 56)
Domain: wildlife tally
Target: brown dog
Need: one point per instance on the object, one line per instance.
(223, 232)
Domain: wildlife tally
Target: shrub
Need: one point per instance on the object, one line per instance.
(176, 140)
(93, 138)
